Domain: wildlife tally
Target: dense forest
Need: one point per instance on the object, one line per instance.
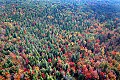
(59, 40)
